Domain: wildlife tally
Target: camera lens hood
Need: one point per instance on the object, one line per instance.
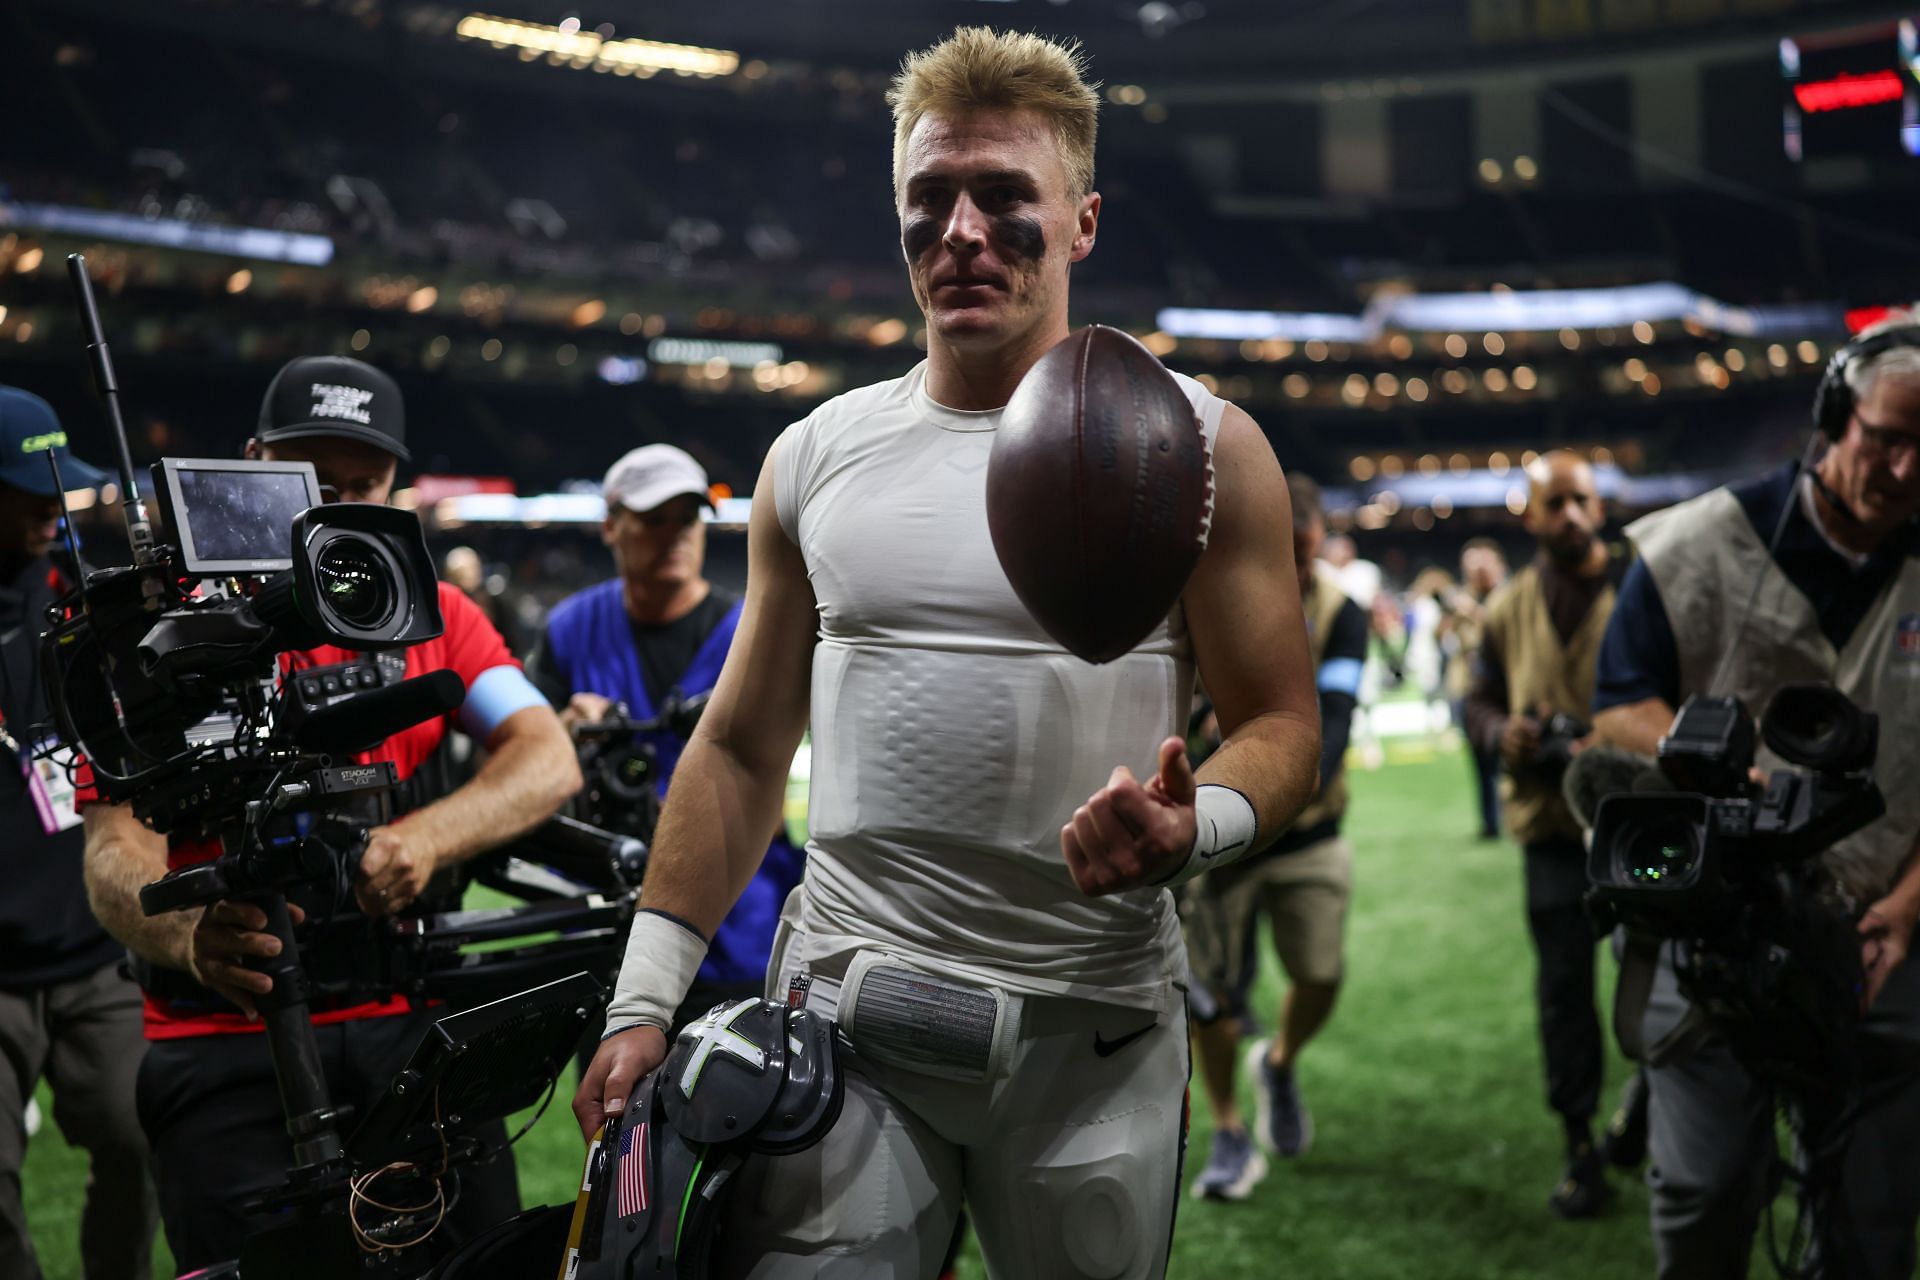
(1818, 727)
(362, 577)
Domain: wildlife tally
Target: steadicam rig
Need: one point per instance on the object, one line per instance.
(169, 678)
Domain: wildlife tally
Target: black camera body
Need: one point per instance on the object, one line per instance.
(620, 767)
(165, 674)
(1730, 874)
(1675, 864)
(1554, 751)
(620, 775)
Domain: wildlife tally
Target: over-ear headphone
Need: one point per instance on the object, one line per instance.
(1833, 402)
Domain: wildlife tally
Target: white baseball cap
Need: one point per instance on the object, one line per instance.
(654, 474)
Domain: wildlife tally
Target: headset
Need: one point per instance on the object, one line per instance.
(1833, 403)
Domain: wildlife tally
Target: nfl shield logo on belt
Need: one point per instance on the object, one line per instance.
(1906, 639)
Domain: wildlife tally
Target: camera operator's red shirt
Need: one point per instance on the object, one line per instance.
(469, 646)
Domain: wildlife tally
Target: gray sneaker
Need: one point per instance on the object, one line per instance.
(1234, 1168)
(1282, 1122)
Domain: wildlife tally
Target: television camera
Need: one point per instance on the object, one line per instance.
(1727, 866)
(620, 763)
(1723, 870)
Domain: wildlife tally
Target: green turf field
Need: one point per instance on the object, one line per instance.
(1434, 1152)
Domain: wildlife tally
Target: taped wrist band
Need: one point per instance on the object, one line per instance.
(1225, 828)
(663, 955)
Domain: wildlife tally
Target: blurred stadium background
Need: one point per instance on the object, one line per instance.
(1419, 240)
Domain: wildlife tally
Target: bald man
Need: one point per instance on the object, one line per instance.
(1537, 661)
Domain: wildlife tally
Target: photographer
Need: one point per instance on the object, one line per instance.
(1708, 608)
(207, 1094)
(1535, 674)
(659, 630)
(66, 1011)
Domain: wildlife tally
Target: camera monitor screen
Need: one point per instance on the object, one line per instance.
(237, 517)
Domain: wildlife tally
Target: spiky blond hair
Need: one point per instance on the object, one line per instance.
(978, 67)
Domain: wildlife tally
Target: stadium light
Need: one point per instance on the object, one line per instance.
(589, 48)
(1498, 312)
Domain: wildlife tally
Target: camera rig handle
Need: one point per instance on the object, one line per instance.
(318, 1156)
(602, 860)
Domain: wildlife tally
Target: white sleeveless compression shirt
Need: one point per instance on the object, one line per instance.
(952, 738)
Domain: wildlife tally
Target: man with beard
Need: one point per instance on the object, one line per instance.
(1533, 682)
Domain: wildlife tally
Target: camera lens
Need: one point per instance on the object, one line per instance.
(354, 582)
(1662, 852)
(629, 774)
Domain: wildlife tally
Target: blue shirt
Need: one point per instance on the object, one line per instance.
(589, 645)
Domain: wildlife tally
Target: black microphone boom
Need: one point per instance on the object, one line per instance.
(358, 722)
(139, 527)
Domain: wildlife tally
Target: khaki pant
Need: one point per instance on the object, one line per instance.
(84, 1037)
(1304, 894)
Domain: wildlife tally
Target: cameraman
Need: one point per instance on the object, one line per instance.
(1535, 674)
(1837, 601)
(207, 1094)
(658, 629)
(66, 1010)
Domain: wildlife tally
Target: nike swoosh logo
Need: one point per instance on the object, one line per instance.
(1107, 1048)
(1213, 851)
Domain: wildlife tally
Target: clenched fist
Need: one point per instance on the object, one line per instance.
(1130, 834)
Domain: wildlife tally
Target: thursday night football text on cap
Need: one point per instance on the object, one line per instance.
(334, 396)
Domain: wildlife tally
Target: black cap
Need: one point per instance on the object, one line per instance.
(29, 430)
(334, 396)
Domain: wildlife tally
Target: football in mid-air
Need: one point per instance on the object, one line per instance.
(1099, 492)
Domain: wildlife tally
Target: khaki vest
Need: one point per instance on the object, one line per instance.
(1706, 559)
(1322, 604)
(1542, 669)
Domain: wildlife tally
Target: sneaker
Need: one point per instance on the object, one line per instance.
(1234, 1168)
(1282, 1124)
(1583, 1189)
(1625, 1142)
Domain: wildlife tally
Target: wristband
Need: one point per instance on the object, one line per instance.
(1225, 827)
(663, 955)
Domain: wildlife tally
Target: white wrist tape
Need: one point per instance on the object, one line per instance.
(1225, 828)
(663, 955)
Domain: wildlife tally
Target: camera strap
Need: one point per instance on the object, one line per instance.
(1639, 967)
(1639, 961)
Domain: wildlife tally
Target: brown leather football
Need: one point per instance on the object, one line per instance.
(1099, 492)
